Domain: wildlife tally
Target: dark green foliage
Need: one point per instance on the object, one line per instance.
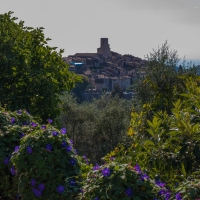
(117, 90)
(10, 130)
(163, 83)
(114, 186)
(32, 74)
(189, 189)
(50, 167)
(170, 145)
(96, 127)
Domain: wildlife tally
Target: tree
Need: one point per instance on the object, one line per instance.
(97, 127)
(32, 74)
(163, 83)
(117, 90)
(80, 87)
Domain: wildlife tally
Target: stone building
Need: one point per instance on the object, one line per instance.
(104, 48)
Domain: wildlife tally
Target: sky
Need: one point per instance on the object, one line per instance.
(132, 26)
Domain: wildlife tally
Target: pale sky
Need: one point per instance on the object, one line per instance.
(132, 26)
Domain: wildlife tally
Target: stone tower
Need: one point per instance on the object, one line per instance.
(104, 48)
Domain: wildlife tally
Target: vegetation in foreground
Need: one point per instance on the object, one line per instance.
(158, 158)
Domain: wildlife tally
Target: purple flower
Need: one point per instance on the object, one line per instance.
(19, 112)
(49, 147)
(137, 168)
(82, 191)
(63, 143)
(111, 158)
(71, 141)
(159, 183)
(75, 151)
(21, 135)
(129, 192)
(72, 161)
(161, 192)
(49, 121)
(41, 187)
(178, 196)
(144, 176)
(96, 198)
(37, 193)
(29, 150)
(63, 131)
(17, 148)
(33, 182)
(106, 171)
(43, 127)
(68, 148)
(33, 124)
(55, 133)
(6, 160)
(72, 183)
(12, 170)
(60, 189)
(96, 167)
(12, 120)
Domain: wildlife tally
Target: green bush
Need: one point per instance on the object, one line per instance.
(189, 189)
(11, 130)
(117, 181)
(46, 165)
(38, 160)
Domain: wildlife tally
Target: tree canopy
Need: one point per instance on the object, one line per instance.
(32, 74)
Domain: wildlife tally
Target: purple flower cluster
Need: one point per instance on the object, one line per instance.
(68, 148)
(60, 189)
(106, 172)
(19, 112)
(12, 120)
(64, 143)
(72, 183)
(55, 133)
(33, 124)
(143, 176)
(49, 147)
(72, 161)
(137, 169)
(43, 127)
(86, 160)
(96, 167)
(29, 150)
(49, 121)
(6, 160)
(41, 187)
(63, 131)
(13, 171)
(129, 192)
(178, 196)
(17, 148)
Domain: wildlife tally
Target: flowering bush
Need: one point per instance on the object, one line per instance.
(117, 181)
(13, 126)
(46, 164)
(189, 189)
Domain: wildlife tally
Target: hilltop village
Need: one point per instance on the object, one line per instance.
(107, 68)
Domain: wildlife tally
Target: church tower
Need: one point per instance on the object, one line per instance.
(104, 48)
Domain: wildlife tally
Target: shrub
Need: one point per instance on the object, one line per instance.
(117, 181)
(11, 130)
(46, 164)
(189, 189)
